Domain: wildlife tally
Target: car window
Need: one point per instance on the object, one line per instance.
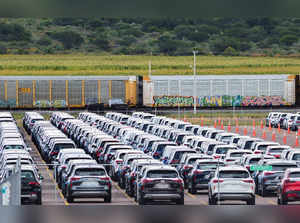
(254, 160)
(294, 175)
(296, 156)
(233, 174)
(90, 172)
(236, 154)
(209, 166)
(27, 175)
(222, 150)
(162, 174)
(58, 147)
(276, 150)
(13, 147)
(282, 167)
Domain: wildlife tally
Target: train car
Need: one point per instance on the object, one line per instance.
(65, 91)
(219, 90)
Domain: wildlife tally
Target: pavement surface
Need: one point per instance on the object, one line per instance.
(51, 194)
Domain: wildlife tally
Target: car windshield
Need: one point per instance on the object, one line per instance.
(213, 135)
(276, 150)
(60, 146)
(282, 167)
(27, 175)
(90, 172)
(162, 174)
(188, 128)
(236, 140)
(296, 157)
(237, 154)
(222, 150)
(248, 144)
(262, 147)
(254, 160)
(192, 160)
(226, 138)
(233, 174)
(178, 155)
(180, 126)
(294, 175)
(13, 147)
(209, 166)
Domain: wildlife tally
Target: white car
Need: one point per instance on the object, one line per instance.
(234, 156)
(231, 183)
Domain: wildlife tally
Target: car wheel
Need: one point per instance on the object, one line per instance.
(141, 200)
(70, 199)
(192, 189)
(251, 201)
(278, 200)
(263, 192)
(107, 199)
(180, 201)
(283, 200)
(39, 200)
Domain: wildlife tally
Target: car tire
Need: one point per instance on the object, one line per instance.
(141, 200)
(180, 201)
(283, 200)
(278, 201)
(107, 199)
(251, 201)
(70, 199)
(39, 200)
(192, 190)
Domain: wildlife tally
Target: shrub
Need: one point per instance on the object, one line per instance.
(69, 39)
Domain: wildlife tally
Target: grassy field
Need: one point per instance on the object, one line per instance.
(133, 65)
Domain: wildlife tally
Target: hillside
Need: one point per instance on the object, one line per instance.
(140, 36)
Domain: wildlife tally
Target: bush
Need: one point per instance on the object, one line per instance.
(3, 49)
(229, 51)
(13, 32)
(288, 40)
(69, 39)
(45, 41)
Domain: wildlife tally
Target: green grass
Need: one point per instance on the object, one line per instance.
(81, 64)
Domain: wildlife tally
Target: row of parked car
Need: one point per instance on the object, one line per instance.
(283, 120)
(236, 153)
(155, 158)
(13, 150)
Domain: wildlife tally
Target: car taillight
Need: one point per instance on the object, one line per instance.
(119, 161)
(64, 167)
(230, 160)
(105, 178)
(186, 167)
(268, 173)
(33, 183)
(53, 153)
(73, 179)
(257, 152)
(248, 167)
(217, 157)
(218, 181)
(145, 181)
(250, 181)
(174, 161)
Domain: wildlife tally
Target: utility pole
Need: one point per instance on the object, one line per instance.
(195, 101)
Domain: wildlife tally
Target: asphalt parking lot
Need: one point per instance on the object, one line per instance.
(51, 194)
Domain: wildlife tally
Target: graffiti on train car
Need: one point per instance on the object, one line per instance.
(173, 100)
(8, 103)
(219, 101)
(47, 104)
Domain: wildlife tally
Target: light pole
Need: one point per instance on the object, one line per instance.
(194, 52)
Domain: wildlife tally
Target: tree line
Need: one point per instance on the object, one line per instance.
(164, 36)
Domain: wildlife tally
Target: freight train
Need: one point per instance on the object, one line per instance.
(150, 91)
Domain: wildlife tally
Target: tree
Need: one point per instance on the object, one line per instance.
(167, 44)
(229, 51)
(3, 49)
(288, 40)
(101, 41)
(69, 39)
(13, 32)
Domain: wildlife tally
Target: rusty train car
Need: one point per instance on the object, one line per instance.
(151, 91)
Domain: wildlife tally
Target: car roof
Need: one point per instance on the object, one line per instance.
(163, 167)
(281, 162)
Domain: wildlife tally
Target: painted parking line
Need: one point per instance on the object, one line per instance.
(126, 195)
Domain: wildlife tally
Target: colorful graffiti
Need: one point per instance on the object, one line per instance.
(8, 103)
(47, 104)
(219, 101)
(173, 101)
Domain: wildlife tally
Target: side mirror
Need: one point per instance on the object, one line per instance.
(41, 177)
(28, 149)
